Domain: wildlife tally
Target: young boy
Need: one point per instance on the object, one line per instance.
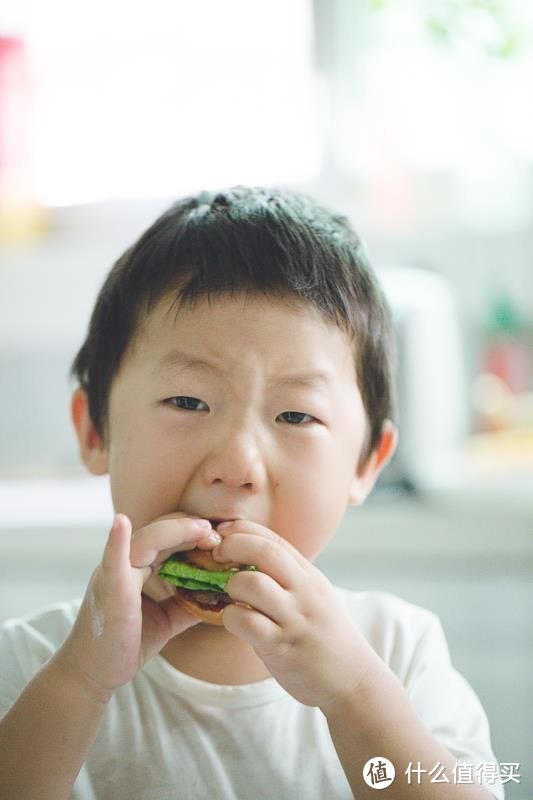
(237, 367)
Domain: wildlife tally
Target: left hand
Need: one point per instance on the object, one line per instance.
(297, 625)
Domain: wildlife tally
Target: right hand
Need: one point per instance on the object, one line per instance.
(118, 627)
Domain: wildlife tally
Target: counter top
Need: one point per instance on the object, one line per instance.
(486, 523)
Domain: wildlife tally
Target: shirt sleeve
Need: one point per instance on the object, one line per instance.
(451, 710)
(26, 644)
(12, 674)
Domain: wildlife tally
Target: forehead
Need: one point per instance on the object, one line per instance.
(282, 333)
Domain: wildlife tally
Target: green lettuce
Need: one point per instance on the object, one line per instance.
(186, 575)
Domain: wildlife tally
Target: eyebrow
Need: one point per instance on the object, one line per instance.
(178, 359)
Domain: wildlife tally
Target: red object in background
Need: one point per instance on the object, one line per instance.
(21, 218)
(505, 350)
(15, 156)
(507, 360)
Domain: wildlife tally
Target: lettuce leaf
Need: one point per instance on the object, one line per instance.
(186, 575)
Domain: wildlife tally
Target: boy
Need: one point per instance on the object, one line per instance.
(237, 367)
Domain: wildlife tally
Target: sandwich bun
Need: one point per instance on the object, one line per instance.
(204, 560)
(211, 616)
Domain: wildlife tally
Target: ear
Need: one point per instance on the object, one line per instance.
(92, 450)
(364, 480)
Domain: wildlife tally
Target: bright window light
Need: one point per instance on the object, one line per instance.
(150, 99)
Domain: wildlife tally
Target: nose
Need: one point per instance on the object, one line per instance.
(236, 460)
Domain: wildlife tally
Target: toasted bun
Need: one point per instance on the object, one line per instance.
(204, 560)
(183, 599)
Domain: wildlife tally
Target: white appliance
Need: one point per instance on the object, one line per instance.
(432, 391)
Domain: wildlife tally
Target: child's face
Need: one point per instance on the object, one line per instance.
(214, 437)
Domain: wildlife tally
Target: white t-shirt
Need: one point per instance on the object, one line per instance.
(167, 735)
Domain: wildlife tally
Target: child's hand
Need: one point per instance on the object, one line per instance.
(118, 627)
(297, 625)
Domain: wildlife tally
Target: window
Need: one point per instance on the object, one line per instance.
(162, 98)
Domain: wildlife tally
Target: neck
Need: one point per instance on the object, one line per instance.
(210, 653)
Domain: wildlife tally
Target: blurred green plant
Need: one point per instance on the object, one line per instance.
(495, 24)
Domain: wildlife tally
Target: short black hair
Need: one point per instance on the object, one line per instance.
(251, 241)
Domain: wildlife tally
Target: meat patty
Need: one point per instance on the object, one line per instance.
(213, 600)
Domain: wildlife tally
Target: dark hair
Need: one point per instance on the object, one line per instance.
(253, 241)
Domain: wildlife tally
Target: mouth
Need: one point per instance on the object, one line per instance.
(218, 521)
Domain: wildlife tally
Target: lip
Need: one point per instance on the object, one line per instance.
(219, 520)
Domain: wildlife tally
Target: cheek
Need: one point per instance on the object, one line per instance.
(313, 496)
(146, 478)
(325, 470)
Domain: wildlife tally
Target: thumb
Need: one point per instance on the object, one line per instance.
(179, 619)
(161, 622)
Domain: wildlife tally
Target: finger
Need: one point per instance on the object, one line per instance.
(154, 543)
(263, 594)
(244, 526)
(116, 567)
(115, 559)
(250, 625)
(177, 619)
(267, 555)
(209, 541)
(205, 543)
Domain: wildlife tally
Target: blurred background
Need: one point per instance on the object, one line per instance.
(415, 119)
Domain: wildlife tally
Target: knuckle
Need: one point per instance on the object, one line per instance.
(270, 546)
(259, 580)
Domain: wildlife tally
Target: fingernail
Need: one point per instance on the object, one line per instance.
(223, 526)
(214, 538)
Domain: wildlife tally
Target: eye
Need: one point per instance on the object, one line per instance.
(298, 418)
(186, 403)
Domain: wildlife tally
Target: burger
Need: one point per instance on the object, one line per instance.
(201, 583)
